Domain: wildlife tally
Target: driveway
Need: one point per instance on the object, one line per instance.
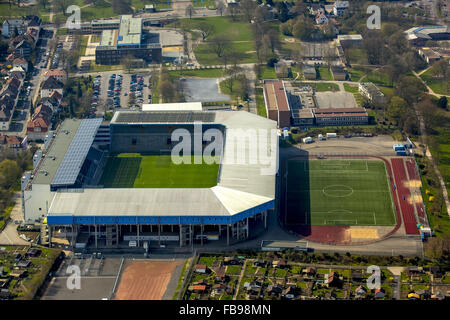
(9, 235)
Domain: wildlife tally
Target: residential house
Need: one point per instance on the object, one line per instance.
(11, 26)
(380, 293)
(280, 264)
(332, 280)
(309, 271)
(37, 129)
(24, 49)
(23, 263)
(253, 288)
(274, 290)
(260, 263)
(201, 268)
(198, 289)
(34, 253)
(340, 7)
(58, 74)
(290, 292)
(360, 291)
(50, 85)
(49, 102)
(20, 62)
(8, 101)
(321, 18)
(14, 143)
(220, 275)
(221, 288)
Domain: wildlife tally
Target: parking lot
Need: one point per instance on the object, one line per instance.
(112, 90)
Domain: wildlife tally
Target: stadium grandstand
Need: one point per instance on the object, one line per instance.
(104, 184)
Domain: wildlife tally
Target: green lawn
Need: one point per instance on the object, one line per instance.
(339, 192)
(206, 56)
(354, 89)
(267, 73)
(261, 106)
(233, 270)
(356, 55)
(378, 77)
(438, 85)
(325, 74)
(207, 260)
(204, 3)
(137, 170)
(357, 73)
(236, 30)
(14, 11)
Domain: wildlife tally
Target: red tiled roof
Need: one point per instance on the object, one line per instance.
(38, 123)
(55, 72)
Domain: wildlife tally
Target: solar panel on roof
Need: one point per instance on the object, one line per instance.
(73, 160)
(165, 117)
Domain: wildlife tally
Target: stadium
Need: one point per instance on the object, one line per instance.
(114, 185)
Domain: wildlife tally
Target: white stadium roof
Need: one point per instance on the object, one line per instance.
(241, 187)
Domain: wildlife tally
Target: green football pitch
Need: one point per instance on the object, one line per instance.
(137, 170)
(339, 192)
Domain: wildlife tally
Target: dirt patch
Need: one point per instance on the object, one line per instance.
(145, 280)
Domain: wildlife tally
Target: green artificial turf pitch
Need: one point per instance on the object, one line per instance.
(137, 170)
(339, 192)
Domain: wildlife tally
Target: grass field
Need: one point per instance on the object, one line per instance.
(339, 192)
(438, 85)
(138, 170)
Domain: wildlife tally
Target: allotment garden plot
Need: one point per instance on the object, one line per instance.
(339, 192)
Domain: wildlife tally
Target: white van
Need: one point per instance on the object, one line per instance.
(132, 244)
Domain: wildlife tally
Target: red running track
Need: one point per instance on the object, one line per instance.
(411, 166)
(409, 218)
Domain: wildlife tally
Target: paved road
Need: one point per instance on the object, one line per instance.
(9, 235)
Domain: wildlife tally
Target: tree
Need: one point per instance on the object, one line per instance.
(248, 9)
(121, 6)
(233, 12)
(221, 8)
(303, 29)
(43, 3)
(127, 62)
(231, 75)
(442, 102)
(220, 44)
(61, 6)
(396, 109)
(9, 173)
(206, 29)
(167, 91)
(190, 11)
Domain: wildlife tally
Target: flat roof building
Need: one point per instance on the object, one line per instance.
(276, 101)
(341, 116)
(371, 92)
(128, 39)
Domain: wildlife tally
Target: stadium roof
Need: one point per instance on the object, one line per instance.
(180, 106)
(162, 117)
(76, 154)
(217, 201)
(241, 188)
(56, 152)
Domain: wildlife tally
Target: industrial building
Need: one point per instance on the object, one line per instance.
(128, 40)
(276, 102)
(63, 189)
